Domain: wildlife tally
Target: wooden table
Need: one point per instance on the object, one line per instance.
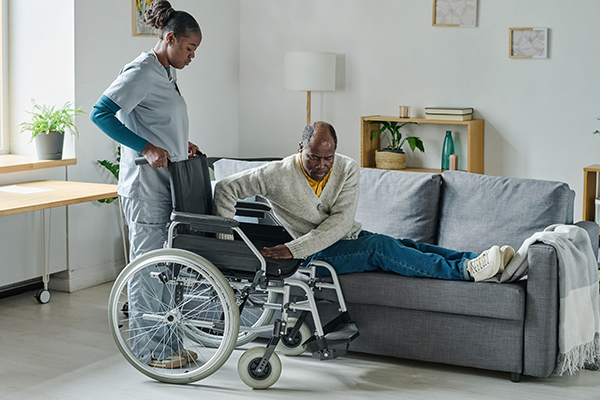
(60, 193)
(54, 194)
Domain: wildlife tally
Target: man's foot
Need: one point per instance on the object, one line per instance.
(507, 254)
(488, 264)
(174, 361)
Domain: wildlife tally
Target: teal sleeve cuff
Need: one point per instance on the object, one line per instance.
(104, 115)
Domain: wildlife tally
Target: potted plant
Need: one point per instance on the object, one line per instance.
(48, 126)
(393, 157)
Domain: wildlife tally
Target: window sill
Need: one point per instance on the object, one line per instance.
(17, 163)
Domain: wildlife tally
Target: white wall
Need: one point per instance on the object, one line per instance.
(540, 114)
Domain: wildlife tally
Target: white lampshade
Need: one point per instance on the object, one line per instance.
(309, 71)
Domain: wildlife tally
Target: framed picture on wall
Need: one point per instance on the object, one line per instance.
(139, 27)
(528, 43)
(459, 13)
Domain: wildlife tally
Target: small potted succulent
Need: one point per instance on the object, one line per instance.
(48, 126)
(393, 157)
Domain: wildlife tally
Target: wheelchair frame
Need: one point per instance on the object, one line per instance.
(203, 314)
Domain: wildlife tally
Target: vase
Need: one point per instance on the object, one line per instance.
(49, 146)
(447, 149)
(390, 159)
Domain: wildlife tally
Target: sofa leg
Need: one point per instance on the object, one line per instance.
(515, 377)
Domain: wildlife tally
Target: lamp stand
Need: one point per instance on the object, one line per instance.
(308, 107)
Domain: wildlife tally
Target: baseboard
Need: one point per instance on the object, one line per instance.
(75, 280)
(21, 287)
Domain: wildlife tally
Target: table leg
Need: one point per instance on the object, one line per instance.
(43, 295)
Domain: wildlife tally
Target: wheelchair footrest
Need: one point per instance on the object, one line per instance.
(329, 350)
(338, 335)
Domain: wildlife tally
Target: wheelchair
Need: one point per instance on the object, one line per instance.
(212, 295)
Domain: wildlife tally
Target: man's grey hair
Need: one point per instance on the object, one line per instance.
(309, 132)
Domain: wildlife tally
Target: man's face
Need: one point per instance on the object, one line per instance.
(318, 156)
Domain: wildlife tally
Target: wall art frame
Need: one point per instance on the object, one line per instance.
(528, 43)
(138, 23)
(455, 13)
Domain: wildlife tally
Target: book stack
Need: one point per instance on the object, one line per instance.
(449, 113)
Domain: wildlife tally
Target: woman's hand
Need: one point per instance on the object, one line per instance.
(280, 252)
(156, 156)
(192, 150)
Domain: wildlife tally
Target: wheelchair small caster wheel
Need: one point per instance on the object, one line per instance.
(125, 309)
(248, 368)
(42, 296)
(292, 345)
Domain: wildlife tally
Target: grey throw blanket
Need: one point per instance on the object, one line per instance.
(579, 318)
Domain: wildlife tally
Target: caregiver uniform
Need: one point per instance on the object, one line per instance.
(144, 105)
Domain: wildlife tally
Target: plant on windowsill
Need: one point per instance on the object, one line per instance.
(48, 126)
(393, 157)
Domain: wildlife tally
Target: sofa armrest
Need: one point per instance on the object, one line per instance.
(541, 312)
(592, 230)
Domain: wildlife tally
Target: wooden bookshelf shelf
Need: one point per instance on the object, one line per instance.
(475, 141)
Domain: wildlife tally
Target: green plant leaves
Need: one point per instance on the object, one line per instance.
(47, 119)
(392, 129)
(114, 169)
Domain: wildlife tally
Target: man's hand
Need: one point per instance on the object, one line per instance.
(156, 156)
(192, 150)
(280, 252)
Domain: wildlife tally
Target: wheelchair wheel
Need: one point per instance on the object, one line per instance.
(248, 369)
(170, 294)
(293, 345)
(253, 316)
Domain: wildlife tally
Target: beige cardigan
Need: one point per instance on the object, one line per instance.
(315, 222)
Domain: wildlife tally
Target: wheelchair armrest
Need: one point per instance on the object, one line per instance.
(205, 223)
(252, 209)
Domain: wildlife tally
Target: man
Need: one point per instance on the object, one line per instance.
(315, 195)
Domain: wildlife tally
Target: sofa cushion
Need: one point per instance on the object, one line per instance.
(488, 300)
(479, 211)
(399, 204)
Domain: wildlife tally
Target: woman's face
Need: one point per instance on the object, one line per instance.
(182, 50)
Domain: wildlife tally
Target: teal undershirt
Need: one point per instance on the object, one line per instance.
(104, 115)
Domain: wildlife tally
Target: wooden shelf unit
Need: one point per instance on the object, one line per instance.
(475, 141)
(590, 178)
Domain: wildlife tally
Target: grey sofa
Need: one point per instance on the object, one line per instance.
(508, 327)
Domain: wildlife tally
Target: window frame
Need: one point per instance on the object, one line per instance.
(4, 131)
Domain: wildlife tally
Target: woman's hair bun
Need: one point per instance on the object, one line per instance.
(159, 14)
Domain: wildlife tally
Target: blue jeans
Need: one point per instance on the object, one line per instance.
(372, 251)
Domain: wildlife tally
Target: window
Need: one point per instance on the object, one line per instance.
(4, 145)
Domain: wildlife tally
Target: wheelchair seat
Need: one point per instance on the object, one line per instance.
(191, 192)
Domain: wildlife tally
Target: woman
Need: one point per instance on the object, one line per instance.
(144, 111)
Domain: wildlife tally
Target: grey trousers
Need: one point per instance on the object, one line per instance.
(148, 223)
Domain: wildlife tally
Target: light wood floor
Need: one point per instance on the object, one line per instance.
(64, 350)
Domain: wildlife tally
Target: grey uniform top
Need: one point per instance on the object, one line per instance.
(153, 108)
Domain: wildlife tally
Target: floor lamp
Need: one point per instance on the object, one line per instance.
(309, 71)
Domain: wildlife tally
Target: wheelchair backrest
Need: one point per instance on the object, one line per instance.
(191, 190)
